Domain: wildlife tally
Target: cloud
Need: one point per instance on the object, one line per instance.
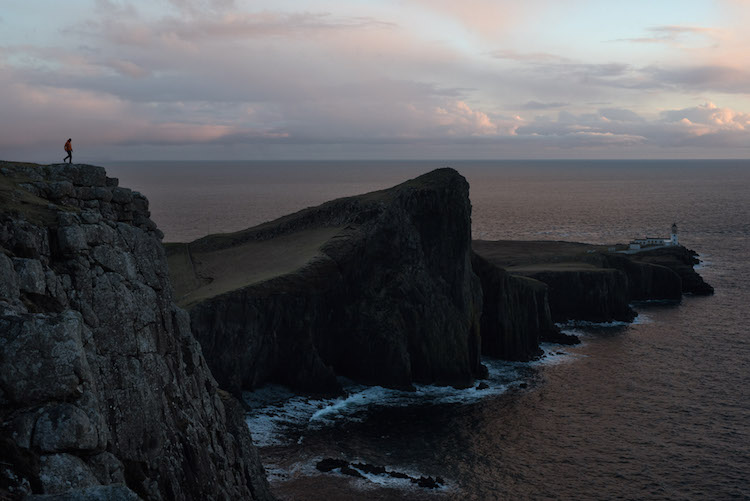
(211, 73)
(678, 35)
(529, 57)
(721, 78)
(620, 115)
(536, 105)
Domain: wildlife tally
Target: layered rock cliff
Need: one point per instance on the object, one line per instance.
(681, 261)
(378, 288)
(104, 391)
(587, 282)
(515, 315)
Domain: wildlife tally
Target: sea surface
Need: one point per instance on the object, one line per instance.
(656, 409)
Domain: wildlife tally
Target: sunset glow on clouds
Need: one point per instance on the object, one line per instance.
(232, 79)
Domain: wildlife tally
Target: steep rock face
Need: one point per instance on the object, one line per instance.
(588, 282)
(680, 260)
(597, 295)
(103, 389)
(389, 299)
(515, 314)
(645, 280)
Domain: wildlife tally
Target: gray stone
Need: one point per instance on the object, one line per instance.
(91, 216)
(78, 174)
(72, 239)
(60, 473)
(122, 195)
(9, 287)
(115, 260)
(30, 275)
(60, 189)
(55, 287)
(21, 428)
(68, 218)
(103, 194)
(42, 357)
(96, 493)
(107, 468)
(64, 427)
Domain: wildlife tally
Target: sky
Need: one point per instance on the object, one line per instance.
(374, 79)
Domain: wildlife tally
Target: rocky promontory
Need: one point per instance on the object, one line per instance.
(104, 391)
(594, 282)
(378, 288)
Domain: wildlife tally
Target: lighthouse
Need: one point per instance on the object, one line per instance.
(673, 239)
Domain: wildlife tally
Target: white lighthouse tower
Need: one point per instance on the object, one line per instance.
(673, 238)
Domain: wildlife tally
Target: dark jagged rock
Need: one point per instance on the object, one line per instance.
(330, 464)
(104, 392)
(368, 468)
(386, 294)
(348, 470)
(428, 482)
(356, 469)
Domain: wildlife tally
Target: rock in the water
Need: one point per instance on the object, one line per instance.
(329, 464)
(348, 470)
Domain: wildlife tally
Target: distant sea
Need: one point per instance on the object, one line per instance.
(657, 409)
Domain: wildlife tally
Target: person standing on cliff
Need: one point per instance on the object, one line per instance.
(69, 149)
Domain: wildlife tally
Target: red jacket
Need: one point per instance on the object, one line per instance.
(68, 146)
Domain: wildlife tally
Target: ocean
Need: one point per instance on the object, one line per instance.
(656, 409)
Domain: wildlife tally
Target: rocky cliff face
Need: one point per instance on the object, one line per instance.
(389, 299)
(596, 295)
(587, 282)
(515, 315)
(680, 260)
(104, 392)
(645, 280)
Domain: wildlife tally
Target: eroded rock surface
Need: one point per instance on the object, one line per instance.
(104, 392)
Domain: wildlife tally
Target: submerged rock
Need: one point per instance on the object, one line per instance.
(104, 392)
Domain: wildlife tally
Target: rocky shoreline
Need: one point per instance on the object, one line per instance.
(107, 384)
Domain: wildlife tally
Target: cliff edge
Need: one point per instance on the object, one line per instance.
(378, 288)
(104, 391)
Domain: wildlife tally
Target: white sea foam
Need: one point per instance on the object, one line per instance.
(572, 324)
(642, 318)
(703, 262)
(278, 416)
(554, 354)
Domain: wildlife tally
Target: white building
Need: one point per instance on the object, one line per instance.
(639, 243)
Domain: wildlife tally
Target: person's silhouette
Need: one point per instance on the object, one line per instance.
(69, 149)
